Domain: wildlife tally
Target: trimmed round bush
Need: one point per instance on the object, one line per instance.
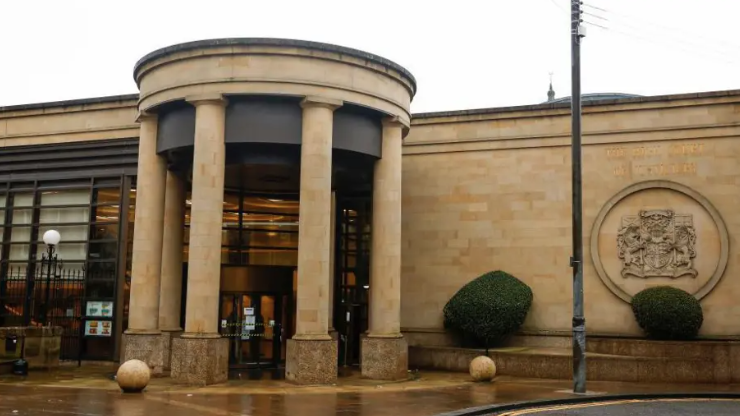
(489, 308)
(667, 313)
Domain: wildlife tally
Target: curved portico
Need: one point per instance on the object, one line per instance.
(328, 118)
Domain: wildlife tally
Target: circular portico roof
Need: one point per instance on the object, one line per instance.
(274, 67)
(226, 42)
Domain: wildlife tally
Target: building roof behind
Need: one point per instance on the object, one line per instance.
(599, 96)
(595, 100)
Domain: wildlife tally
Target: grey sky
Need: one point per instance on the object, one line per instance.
(464, 54)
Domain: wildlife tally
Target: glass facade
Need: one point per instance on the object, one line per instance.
(95, 217)
(352, 273)
(258, 230)
(86, 213)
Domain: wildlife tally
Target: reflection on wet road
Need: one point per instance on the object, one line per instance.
(376, 401)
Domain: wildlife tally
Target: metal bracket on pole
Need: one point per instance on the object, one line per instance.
(573, 262)
(579, 323)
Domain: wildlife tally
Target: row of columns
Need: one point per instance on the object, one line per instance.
(199, 355)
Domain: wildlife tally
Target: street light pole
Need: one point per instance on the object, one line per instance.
(576, 262)
(52, 239)
(49, 257)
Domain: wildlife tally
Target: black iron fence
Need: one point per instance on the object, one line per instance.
(31, 297)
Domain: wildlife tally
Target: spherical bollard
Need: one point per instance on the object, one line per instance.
(482, 369)
(133, 376)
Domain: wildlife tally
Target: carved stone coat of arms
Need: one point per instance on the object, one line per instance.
(657, 243)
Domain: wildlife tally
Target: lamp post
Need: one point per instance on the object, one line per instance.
(51, 239)
(577, 32)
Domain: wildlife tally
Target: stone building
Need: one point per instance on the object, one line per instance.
(268, 203)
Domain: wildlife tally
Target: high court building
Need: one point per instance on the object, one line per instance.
(274, 203)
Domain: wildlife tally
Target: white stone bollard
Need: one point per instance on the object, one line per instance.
(133, 376)
(482, 369)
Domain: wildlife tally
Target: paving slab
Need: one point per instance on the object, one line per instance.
(92, 392)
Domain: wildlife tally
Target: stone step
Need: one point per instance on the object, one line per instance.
(557, 363)
(632, 346)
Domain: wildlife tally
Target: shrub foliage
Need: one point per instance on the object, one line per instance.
(667, 313)
(488, 308)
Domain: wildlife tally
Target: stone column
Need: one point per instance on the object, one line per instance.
(312, 353)
(142, 339)
(332, 269)
(384, 352)
(170, 294)
(200, 356)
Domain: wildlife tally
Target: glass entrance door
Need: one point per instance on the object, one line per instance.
(255, 325)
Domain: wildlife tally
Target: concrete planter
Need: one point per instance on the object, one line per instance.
(41, 345)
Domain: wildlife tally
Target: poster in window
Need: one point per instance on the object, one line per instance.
(92, 309)
(99, 309)
(106, 309)
(98, 328)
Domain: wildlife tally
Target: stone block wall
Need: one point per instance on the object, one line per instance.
(491, 189)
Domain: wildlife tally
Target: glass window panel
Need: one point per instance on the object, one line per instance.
(17, 271)
(228, 237)
(270, 239)
(231, 219)
(19, 251)
(103, 251)
(351, 280)
(107, 213)
(21, 231)
(67, 232)
(77, 183)
(231, 202)
(21, 185)
(103, 231)
(64, 215)
(270, 222)
(66, 252)
(105, 270)
(269, 257)
(22, 216)
(273, 205)
(349, 261)
(20, 234)
(229, 256)
(66, 197)
(107, 195)
(107, 182)
(100, 289)
(23, 200)
(72, 270)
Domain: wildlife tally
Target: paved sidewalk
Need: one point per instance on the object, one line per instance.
(84, 392)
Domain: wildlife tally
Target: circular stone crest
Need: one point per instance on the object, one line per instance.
(657, 233)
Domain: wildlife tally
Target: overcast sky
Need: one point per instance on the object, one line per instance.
(464, 53)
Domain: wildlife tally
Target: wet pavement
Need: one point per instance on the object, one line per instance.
(91, 392)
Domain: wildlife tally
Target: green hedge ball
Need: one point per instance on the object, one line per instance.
(489, 308)
(668, 313)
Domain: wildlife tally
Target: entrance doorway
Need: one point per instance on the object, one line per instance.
(257, 326)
